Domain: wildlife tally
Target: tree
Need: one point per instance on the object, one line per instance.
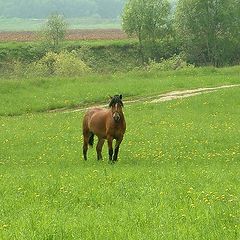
(209, 29)
(148, 20)
(55, 29)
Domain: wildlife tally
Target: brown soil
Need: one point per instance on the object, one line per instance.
(79, 34)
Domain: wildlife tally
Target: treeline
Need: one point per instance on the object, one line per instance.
(70, 9)
(205, 32)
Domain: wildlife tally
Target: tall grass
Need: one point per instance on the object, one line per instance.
(177, 176)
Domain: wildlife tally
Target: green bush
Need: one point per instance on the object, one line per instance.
(37, 69)
(13, 68)
(60, 64)
(68, 64)
(175, 62)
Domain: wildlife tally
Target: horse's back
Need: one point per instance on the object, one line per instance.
(96, 113)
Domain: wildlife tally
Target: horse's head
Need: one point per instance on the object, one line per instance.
(116, 105)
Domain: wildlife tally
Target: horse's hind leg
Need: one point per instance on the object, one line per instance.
(85, 145)
(99, 148)
(85, 131)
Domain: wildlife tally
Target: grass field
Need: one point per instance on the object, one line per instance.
(19, 96)
(177, 176)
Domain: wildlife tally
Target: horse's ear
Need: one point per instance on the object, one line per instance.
(120, 96)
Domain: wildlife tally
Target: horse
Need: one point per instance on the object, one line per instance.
(107, 124)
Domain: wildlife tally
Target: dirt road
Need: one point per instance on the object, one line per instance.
(158, 98)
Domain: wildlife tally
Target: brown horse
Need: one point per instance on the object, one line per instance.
(106, 124)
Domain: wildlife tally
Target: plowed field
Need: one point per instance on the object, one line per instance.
(92, 34)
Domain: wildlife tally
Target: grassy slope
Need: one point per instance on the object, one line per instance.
(177, 178)
(33, 95)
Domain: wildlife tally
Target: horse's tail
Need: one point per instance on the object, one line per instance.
(91, 139)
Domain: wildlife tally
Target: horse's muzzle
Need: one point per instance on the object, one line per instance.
(116, 117)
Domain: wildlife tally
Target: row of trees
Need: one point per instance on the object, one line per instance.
(73, 8)
(207, 31)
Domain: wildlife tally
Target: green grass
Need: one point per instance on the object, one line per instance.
(21, 96)
(177, 176)
(104, 43)
(71, 43)
(19, 24)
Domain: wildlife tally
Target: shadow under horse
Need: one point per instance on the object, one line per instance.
(106, 124)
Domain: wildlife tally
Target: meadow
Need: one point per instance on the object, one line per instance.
(178, 170)
(55, 92)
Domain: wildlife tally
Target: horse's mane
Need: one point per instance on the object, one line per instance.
(116, 99)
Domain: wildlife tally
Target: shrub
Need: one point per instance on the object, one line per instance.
(48, 62)
(12, 68)
(175, 62)
(68, 64)
(18, 68)
(64, 64)
(37, 69)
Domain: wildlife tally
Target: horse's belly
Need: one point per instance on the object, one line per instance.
(97, 125)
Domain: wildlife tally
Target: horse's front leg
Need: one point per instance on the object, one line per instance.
(118, 142)
(110, 148)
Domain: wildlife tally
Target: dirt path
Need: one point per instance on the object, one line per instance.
(158, 98)
(189, 93)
